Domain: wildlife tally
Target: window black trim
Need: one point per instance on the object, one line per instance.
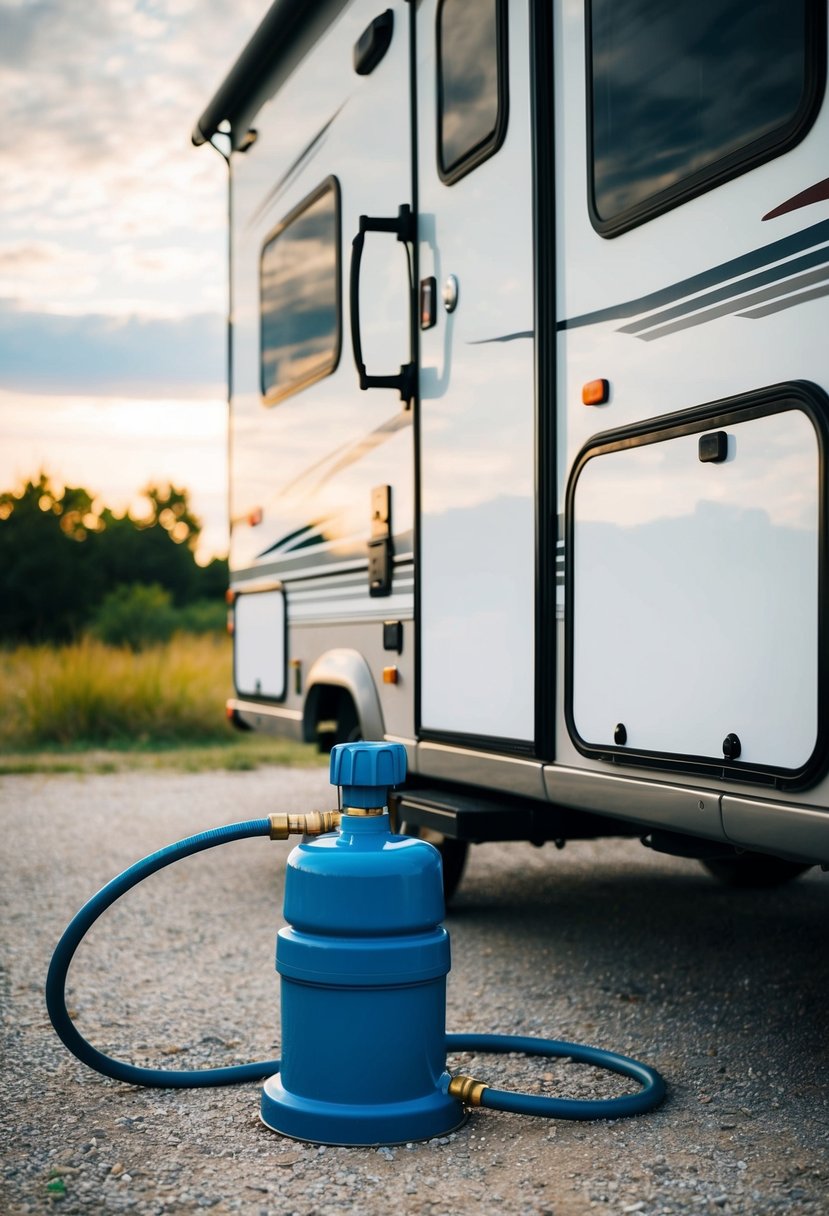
(810, 400)
(735, 163)
(275, 395)
(489, 146)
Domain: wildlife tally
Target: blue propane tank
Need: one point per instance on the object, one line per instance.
(363, 963)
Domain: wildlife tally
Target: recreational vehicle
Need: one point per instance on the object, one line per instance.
(529, 364)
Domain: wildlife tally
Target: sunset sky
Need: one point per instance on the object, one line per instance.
(113, 246)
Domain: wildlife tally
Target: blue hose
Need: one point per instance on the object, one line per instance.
(80, 925)
(646, 1099)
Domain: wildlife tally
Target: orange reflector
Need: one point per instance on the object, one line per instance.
(229, 712)
(230, 596)
(255, 517)
(595, 392)
(389, 675)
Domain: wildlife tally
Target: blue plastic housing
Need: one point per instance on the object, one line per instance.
(363, 964)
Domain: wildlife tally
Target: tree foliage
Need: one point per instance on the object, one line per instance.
(62, 554)
(135, 615)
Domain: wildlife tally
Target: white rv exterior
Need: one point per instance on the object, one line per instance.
(528, 409)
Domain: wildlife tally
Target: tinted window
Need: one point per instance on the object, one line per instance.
(471, 46)
(300, 296)
(686, 92)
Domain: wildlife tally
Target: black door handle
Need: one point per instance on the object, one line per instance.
(403, 227)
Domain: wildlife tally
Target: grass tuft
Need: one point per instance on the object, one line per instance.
(93, 707)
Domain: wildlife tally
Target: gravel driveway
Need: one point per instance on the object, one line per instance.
(724, 992)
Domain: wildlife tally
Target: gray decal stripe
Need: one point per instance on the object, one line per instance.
(747, 262)
(758, 297)
(522, 333)
(789, 302)
(787, 269)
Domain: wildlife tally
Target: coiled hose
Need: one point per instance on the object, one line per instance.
(646, 1099)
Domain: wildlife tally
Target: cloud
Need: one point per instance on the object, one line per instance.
(115, 446)
(99, 102)
(113, 258)
(151, 278)
(95, 354)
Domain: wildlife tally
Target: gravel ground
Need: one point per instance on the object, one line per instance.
(724, 992)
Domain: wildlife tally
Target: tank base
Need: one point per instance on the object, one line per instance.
(358, 1125)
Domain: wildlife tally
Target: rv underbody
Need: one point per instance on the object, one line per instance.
(529, 412)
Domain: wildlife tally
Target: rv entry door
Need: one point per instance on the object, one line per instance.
(477, 546)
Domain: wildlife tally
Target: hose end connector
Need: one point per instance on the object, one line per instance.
(467, 1090)
(315, 823)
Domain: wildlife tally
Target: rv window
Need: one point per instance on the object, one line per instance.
(472, 83)
(300, 296)
(687, 94)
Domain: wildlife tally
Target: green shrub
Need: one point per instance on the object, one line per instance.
(202, 616)
(137, 615)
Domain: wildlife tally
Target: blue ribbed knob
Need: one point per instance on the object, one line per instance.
(366, 771)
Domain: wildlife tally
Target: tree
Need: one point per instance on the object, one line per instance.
(44, 564)
(61, 554)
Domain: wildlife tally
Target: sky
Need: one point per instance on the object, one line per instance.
(113, 247)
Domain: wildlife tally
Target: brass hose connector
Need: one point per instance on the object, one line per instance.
(467, 1090)
(315, 823)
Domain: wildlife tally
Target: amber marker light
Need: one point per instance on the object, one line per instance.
(255, 517)
(230, 597)
(595, 392)
(390, 675)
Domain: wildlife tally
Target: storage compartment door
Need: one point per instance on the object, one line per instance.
(259, 644)
(693, 628)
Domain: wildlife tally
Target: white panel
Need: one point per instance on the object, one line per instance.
(259, 644)
(305, 467)
(477, 541)
(695, 594)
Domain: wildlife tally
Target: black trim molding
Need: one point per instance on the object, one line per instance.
(519, 748)
(797, 395)
(544, 291)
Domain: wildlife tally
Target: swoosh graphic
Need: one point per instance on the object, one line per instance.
(818, 193)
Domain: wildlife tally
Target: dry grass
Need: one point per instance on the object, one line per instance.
(164, 705)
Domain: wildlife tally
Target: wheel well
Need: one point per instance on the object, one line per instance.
(330, 716)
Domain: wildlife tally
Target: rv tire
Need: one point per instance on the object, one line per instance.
(755, 871)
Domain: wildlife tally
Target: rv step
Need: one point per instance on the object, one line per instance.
(478, 816)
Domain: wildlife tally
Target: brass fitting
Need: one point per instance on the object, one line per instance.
(363, 810)
(467, 1090)
(315, 823)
